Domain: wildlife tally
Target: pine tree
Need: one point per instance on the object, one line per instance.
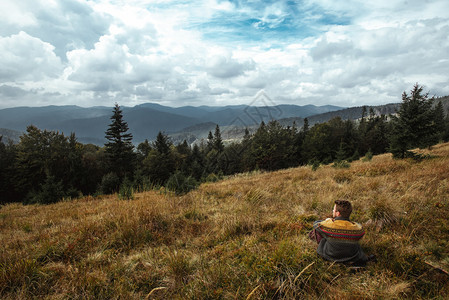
(160, 163)
(217, 140)
(439, 120)
(51, 191)
(8, 155)
(317, 145)
(300, 137)
(119, 149)
(305, 127)
(376, 137)
(414, 126)
(340, 155)
(143, 149)
(247, 135)
(162, 144)
(210, 142)
(197, 159)
(445, 135)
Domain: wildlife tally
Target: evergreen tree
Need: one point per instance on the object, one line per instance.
(341, 153)
(160, 163)
(446, 128)
(162, 143)
(215, 160)
(210, 142)
(197, 158)
(255, 148)
(439, 120)
(351, 138)
(247, 134)
(75, 173)
(51, 191)
(300, 137)
(217, 140)
(376, 136)
(316, 147)
(143, 149)
(414, 125)
(232, 159)
(8, 186)
(306, 127)
(183, 158)
(119, 149)
(273, 147)
(362, 130)
(93, 160)
(41, 154)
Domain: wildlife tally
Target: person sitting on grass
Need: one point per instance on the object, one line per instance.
(338, 237)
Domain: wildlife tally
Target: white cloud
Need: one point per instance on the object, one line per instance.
(14, 13)
(24, 57)
(225, 66)
(220, 52)
(67, 25)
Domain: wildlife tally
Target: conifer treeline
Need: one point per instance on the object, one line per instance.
(46, 166)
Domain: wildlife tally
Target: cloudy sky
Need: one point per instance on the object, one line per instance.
(212, 52)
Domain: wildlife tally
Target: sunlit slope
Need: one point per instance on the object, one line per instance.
(244, 236)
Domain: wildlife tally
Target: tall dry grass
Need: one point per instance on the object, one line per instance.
(243, 237)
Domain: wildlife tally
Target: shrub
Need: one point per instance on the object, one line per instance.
(382, 214)
(343, 177)
(368, 156)
(180, 267)
(142, 182)
(126, 191)
(355, 156)
(341, 165)
(109, 183)
(52, 191)
(180, 184)
(22, 273)
(212, 177)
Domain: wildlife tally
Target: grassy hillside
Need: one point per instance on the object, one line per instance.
(241, 238)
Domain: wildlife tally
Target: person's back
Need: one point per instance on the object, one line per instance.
(338, 237)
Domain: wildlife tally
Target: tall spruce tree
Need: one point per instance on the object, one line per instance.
(210, 142)
(119, 149)
(217, 140)
(160, 163)
(414, 126)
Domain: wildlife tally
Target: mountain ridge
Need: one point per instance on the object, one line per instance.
(145, 120)
(186, 122)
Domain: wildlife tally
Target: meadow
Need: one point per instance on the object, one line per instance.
(244, 237)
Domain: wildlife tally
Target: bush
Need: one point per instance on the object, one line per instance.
(355, 156)
(341, 165)
(109, 183)
(368, 156)
(142, 182)
(180, 184)
(126, 191)
(51, 191)
(212, 177)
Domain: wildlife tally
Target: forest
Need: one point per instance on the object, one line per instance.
(47, 166)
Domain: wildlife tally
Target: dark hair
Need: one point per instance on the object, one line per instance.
(343, 207)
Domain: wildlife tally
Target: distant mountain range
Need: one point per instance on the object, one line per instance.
(187, 122)
(146, 120)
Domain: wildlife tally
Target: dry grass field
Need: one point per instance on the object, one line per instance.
(241, 238)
